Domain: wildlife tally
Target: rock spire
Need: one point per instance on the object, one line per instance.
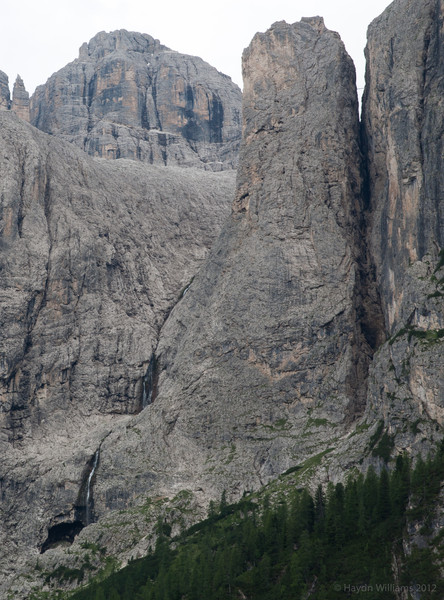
(20, 100)
(260, 361)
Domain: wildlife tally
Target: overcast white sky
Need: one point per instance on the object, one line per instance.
(38, 37)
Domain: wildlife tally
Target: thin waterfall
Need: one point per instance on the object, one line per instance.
(89, 499)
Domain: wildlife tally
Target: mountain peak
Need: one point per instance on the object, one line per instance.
(128, 96)
(105, 43)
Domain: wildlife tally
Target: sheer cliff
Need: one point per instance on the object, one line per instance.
(263, 362)
(403, 129)
(128, 96)
(94, 254)
(310, 340)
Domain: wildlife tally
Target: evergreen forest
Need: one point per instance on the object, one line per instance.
(368, 538)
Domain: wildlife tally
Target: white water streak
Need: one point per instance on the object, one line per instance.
(88, 487)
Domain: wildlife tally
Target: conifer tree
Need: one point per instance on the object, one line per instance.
(383, 508)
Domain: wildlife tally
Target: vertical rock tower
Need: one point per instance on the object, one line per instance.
(20, 100)
(261, 362)
(403, 119)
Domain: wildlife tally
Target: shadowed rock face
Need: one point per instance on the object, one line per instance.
(127, 96)
(403, 121)
(93, 256)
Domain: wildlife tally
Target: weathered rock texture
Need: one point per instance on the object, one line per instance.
(93, 256)
(403, 116)
(263, 361)
(266, 360)
(127, 96)
(5, 95)
(20, 100)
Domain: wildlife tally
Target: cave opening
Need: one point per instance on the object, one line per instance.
(61, 534)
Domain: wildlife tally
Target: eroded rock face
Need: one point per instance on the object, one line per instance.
(127, 96)
(93, 256)
(403, 120)
(266, 359)
(261, 361)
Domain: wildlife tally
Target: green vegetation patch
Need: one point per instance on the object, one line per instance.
(66, 574)
(319, 423)
(440, 262)
(299, 546)
(384, 447)
(426, 336)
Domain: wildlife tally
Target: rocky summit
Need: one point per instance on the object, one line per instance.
(128, 96)
(159, 351)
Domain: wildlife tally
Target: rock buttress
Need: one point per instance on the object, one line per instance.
(403, 117)
(260, 364)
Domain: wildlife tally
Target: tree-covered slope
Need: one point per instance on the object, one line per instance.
(340, 541)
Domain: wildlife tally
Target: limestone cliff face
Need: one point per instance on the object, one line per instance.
(261, 363)
(314, 328)
(93, 256)
(127, 96)
(403, 123)
(403, 120)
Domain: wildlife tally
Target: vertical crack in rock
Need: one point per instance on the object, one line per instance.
(20, 209)
(368, 298)
(156, 110)
(150, 381)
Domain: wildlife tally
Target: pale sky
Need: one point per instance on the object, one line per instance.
(38, 37)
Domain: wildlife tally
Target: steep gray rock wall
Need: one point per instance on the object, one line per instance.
(403, 121)
(127, 96)
(93, 256)
(266, 359)
(262, 362)
(403, 118)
